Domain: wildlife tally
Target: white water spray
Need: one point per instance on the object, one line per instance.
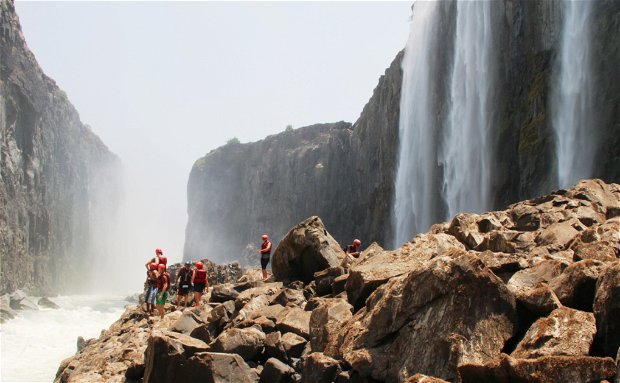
(572, 97)
(413, 200)
(465, 152)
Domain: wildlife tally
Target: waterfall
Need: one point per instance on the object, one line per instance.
(465, 150)
(571, 97)
(445, 117)
(414, 177)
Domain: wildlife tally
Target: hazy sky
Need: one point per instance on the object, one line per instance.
(163, 83)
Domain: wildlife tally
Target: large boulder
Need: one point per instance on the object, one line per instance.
(326, 320)
(306, 249)
(265, 289)
(295, 320)
(47, 303)
(186, 323)
(275, 371)
(319, 368)
(450, 310)
(576, 286)
(247, 342)
(607, 310)
(565, 332)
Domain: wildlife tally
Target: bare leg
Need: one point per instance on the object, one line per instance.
(264, 274)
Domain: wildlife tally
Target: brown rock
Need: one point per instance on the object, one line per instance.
(293, 344)
(276, 371)
(326, 320)
(186, 323)
(222, 293)
(540, 300)
(576, 286)
(324, 279)
(271, 312)
(274, 347)
(558, 234)
(419, 378)
(294, 320)
(319, 368)
(607, 310)
(564, 332)
(523, 284)
(267, 289)
(289, 297)
(502, 262)
(247, 342)
(306, 249)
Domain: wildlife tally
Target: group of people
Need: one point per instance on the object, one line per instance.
(158, 283)
(195, 279)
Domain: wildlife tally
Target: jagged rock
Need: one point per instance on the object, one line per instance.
(186, 323)
(326, 320)
(372, 272)
(450, 310)
(6, 312)
(296, 320)
(524, 283)
(267, 325)
(576, 286)
(267, 289)
(502, 262)
(221, 314)
(339, 283)
(274, 347)
(293, 344)
(205, 332)
(505, 369)
(607, 310)
(271, 312)
(247, 342)
(559, 234)
(223, 293)
(306, 249)
(319, 368)
(167, 357)
(276, 371)
(324, 279)
(604, 197)
(540, 300)
(419, 378)
(250, 309)
(464, 227)
(289, 297)
(47, 303)
(20, 301)
(565, 332)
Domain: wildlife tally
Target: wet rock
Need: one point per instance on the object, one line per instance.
(576, 286)
(6, 312)
(326, 320)
(607, 310)
(47, 303)
(306, 249)
(565, 331)
(247, 342)
(505, 369)
(293, 344)
(294, 320)
(449, 311)
(275, 371)
(319, 368)
(20, 301)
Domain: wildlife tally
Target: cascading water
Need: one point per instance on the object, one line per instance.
(572, 97)
(465, 150)
(414, 178)
(444, 161)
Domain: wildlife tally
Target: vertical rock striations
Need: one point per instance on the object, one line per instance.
(52, 168)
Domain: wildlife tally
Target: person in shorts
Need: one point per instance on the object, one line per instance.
(265, 253)
(184, 283)
(200, 282)
(163, 285)
(151, 290)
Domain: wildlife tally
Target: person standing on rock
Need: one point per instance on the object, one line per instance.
(200, 282)
(163, 285)
(353, 249)
(151, 288)
(265, 253)
(184, 281)
(159, 258)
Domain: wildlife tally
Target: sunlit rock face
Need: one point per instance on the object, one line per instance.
(54, 173)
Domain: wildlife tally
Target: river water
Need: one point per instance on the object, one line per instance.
(33, 344)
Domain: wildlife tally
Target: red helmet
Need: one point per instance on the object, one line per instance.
(265, 236)
(161, 266)
(158, 252)
(153, 266)
(199, 265)
(357, 242)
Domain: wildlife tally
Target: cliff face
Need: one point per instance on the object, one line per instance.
(52, 173)
(341, 172)
(274, 183)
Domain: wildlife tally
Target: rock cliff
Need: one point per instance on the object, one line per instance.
(526, 294)
(54, 173)
(346, 175)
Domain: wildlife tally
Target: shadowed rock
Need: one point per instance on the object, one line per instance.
(607, 310)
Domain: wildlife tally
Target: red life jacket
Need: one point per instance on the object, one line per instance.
(263, 247)
(163, 260)
(201, 276)
(161, 282)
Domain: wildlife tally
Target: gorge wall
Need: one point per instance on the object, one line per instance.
(346, 173)
(56, 175)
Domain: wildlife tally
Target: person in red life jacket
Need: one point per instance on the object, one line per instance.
(265, 253)
(159, 258)
(200, 282)
(151, 288)
(184, 282)
(163, 285)
(353, 249)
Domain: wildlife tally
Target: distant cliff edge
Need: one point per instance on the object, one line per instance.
(56, 176)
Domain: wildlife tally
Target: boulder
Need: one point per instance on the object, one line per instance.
(289, 297)
(247, 342)
(20, 301)
(222, 293)
(602, 196)
(295, 320)
(599, 251)
(524, 283)
(271, 312)
(267, 325)
(576, 286)
(274, 347)
(326, 320)
(324, 279)
(607, 310)
(293, 344)
(47, 303)
(6, 312)
(275, 371)
(339, 283)
(539, 300)
(266, 289)
(319, 368)
(205, 332)
(186, 323)
(506, 369)
(304, 250)
(464, 227)
(249, 311)
(559, 234)
(502, 262)
(448, 311)
(419, 378)
(565, 331)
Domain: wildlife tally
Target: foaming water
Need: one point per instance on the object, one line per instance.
(34, 343)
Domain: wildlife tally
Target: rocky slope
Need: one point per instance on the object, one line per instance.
(527, 294)
(54, 173)
(270, 185)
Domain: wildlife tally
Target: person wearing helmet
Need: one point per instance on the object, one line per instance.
(163, 285)
(200, 282)
(265, 253)
(184, 280)
(159, 258)
(151, 287)
(353, 249)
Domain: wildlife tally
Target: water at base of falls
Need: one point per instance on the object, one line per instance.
(36, 341)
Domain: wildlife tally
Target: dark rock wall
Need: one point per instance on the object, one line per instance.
(356, 199)
(52, 169)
